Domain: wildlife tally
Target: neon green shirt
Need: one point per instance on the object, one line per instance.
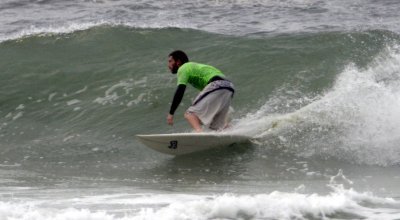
(196, 74)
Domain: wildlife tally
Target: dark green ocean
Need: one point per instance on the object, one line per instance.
(321, 101)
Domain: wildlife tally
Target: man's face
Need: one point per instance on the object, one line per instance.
(173, 65)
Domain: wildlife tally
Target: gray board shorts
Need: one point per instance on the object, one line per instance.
(212, 104)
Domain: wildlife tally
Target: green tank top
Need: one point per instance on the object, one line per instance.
(196, 74)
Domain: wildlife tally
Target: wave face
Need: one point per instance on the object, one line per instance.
(327, 95)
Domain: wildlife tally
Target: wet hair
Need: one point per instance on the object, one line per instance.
(179, 55)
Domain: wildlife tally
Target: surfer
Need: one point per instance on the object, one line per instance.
(211, 106)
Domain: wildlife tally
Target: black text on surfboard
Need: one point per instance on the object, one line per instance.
(173, 145)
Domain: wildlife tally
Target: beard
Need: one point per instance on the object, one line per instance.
(174, 69)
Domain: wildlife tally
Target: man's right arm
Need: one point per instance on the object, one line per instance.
(180, 91)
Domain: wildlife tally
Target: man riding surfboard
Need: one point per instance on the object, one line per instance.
(211, 106)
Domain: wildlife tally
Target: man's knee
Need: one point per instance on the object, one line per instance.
(187, 115)
(191, 116)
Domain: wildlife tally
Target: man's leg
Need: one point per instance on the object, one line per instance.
(220, 120)
(194, 121)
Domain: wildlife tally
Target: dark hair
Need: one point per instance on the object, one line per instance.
(179, 55)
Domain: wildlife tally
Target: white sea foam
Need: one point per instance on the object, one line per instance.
(137, 100)
(111, 94)
(275, 205)
(356, 120)
(47, 30)
(364, 109)
(29, 211)
(73, 102)
(73, 27)
(51, 96)
(122, 89)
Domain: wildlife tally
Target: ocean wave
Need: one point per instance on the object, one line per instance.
(82, 26)
(233, 17)
(356, 120)
(104, 81)
(340, 203)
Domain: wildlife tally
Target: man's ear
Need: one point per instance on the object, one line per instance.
(179, 62)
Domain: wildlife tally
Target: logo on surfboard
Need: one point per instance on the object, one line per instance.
(173, 144)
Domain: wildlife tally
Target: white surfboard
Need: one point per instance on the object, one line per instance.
(185, 143)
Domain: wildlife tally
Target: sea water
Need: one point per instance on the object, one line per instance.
(317, 87)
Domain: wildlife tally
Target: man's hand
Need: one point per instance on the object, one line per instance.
(170, 119)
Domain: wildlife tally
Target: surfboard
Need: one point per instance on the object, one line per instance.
(186, 143)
